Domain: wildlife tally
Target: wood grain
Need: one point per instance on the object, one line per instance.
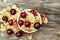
(50, 31)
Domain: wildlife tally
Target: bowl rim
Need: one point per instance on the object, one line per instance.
(23, 29)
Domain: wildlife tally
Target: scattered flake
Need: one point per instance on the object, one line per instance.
(14, 29)
(29, 37)
(21, 9)
(3, 28)
(15, 7)
(7, 26)
(14, 17)
(1, 18)
(3, 11)
(8, 8)
(7, 14)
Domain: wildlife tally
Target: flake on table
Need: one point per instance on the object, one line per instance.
(29, 37)
(21, 9)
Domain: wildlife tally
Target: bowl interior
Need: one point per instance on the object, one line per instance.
(23, 29)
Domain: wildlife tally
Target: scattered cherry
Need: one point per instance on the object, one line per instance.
(23, 15)
(9, 31)
(33, 11)
(27, 24)
(10, 22)
(13, 11)
(37, 25)
(20, 22)
(19, 34)
(5, 18)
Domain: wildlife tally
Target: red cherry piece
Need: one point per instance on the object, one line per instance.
(15, 21)
(10, 22)
(9, 31)
(20, 22)
(19, 34)
(27, 24)
(5, 18)
(33, 12)
(42, 14)
(13, 11)
(23, 15)
(37, 25)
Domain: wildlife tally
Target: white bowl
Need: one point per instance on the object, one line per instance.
(23, 29)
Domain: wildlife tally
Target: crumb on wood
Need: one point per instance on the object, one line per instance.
(29, 37)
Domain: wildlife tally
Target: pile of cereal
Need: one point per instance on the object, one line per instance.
(14, 18)
(8, 16)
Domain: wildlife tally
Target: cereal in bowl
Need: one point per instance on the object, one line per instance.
(29, 20)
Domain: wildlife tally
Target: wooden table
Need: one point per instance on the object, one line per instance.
(50, 31)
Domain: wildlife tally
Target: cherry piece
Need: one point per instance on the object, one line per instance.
(13, 11)
(37, 25)
(27, 24)
(5, 18)
(20, 22)
(33, 12)
(19, 34)
(23, 15)
(10, 22)
(9, 31)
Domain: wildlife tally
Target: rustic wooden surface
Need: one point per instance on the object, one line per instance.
(50, 31)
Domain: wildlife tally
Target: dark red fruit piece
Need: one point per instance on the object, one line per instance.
(33, 12)
(37, 25)
(27, 24)
(10, 22)
(23, 15)
(19, 34)
(13, 11)
(9, 31)
(5, 18)
(20, 22)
